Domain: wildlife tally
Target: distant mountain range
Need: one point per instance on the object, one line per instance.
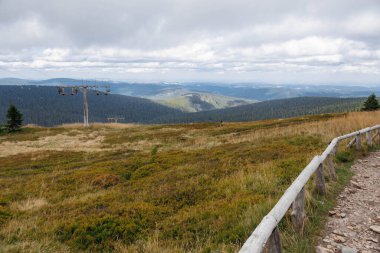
(43, 106)
(194, 97)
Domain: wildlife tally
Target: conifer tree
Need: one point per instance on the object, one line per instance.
(371, 104)
(14, 119)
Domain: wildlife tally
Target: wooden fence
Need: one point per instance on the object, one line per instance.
(267, 235)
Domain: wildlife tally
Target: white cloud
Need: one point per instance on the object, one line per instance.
(192, 40)
(55, 54)
(367, 23)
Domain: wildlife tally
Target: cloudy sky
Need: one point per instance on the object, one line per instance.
(292, 41)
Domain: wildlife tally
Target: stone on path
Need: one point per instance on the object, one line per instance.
(375, 228)
(348, 250)
(320, 249)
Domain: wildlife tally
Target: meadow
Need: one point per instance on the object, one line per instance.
(162, 188)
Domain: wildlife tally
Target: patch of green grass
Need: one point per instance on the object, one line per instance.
(345, 156)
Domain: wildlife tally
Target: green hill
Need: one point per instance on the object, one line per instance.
(281, 108)
(43, 105)
(200, 101)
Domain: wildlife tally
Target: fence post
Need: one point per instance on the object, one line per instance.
(358, 142)
(273, 244)
(368, 136)
(330, 164)
(320, 180)
(298, 212)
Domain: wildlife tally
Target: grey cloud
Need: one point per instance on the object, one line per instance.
(212, 40)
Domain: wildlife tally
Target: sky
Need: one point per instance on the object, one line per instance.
(282, 41)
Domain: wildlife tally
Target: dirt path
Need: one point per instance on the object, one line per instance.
(354, 224)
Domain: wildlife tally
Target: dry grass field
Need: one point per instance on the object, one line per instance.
(161, 188)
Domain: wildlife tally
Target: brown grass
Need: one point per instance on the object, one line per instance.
(60, 142)
(93, 139)
(100, 125)
(29, 204)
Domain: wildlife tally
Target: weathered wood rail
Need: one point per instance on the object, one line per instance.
(267, 234)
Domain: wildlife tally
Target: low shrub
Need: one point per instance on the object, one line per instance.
(97, 235)
(106, 180)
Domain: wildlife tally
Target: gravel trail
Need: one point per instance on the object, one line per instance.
(354, 224)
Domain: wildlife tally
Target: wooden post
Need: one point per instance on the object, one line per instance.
(330, 164)
(298, 212)
(273, 244)
(358, 142)
(320, 180)
(375, 135)
(349, 145)
(368, 136)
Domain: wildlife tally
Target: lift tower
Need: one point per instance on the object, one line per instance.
(84, 89)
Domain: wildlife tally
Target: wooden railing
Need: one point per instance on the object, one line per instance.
(267, 235)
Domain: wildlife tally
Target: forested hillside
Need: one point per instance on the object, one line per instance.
(43, 106)
(282, 108)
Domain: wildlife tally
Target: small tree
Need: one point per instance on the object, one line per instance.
(14, 118)
(371, 104)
